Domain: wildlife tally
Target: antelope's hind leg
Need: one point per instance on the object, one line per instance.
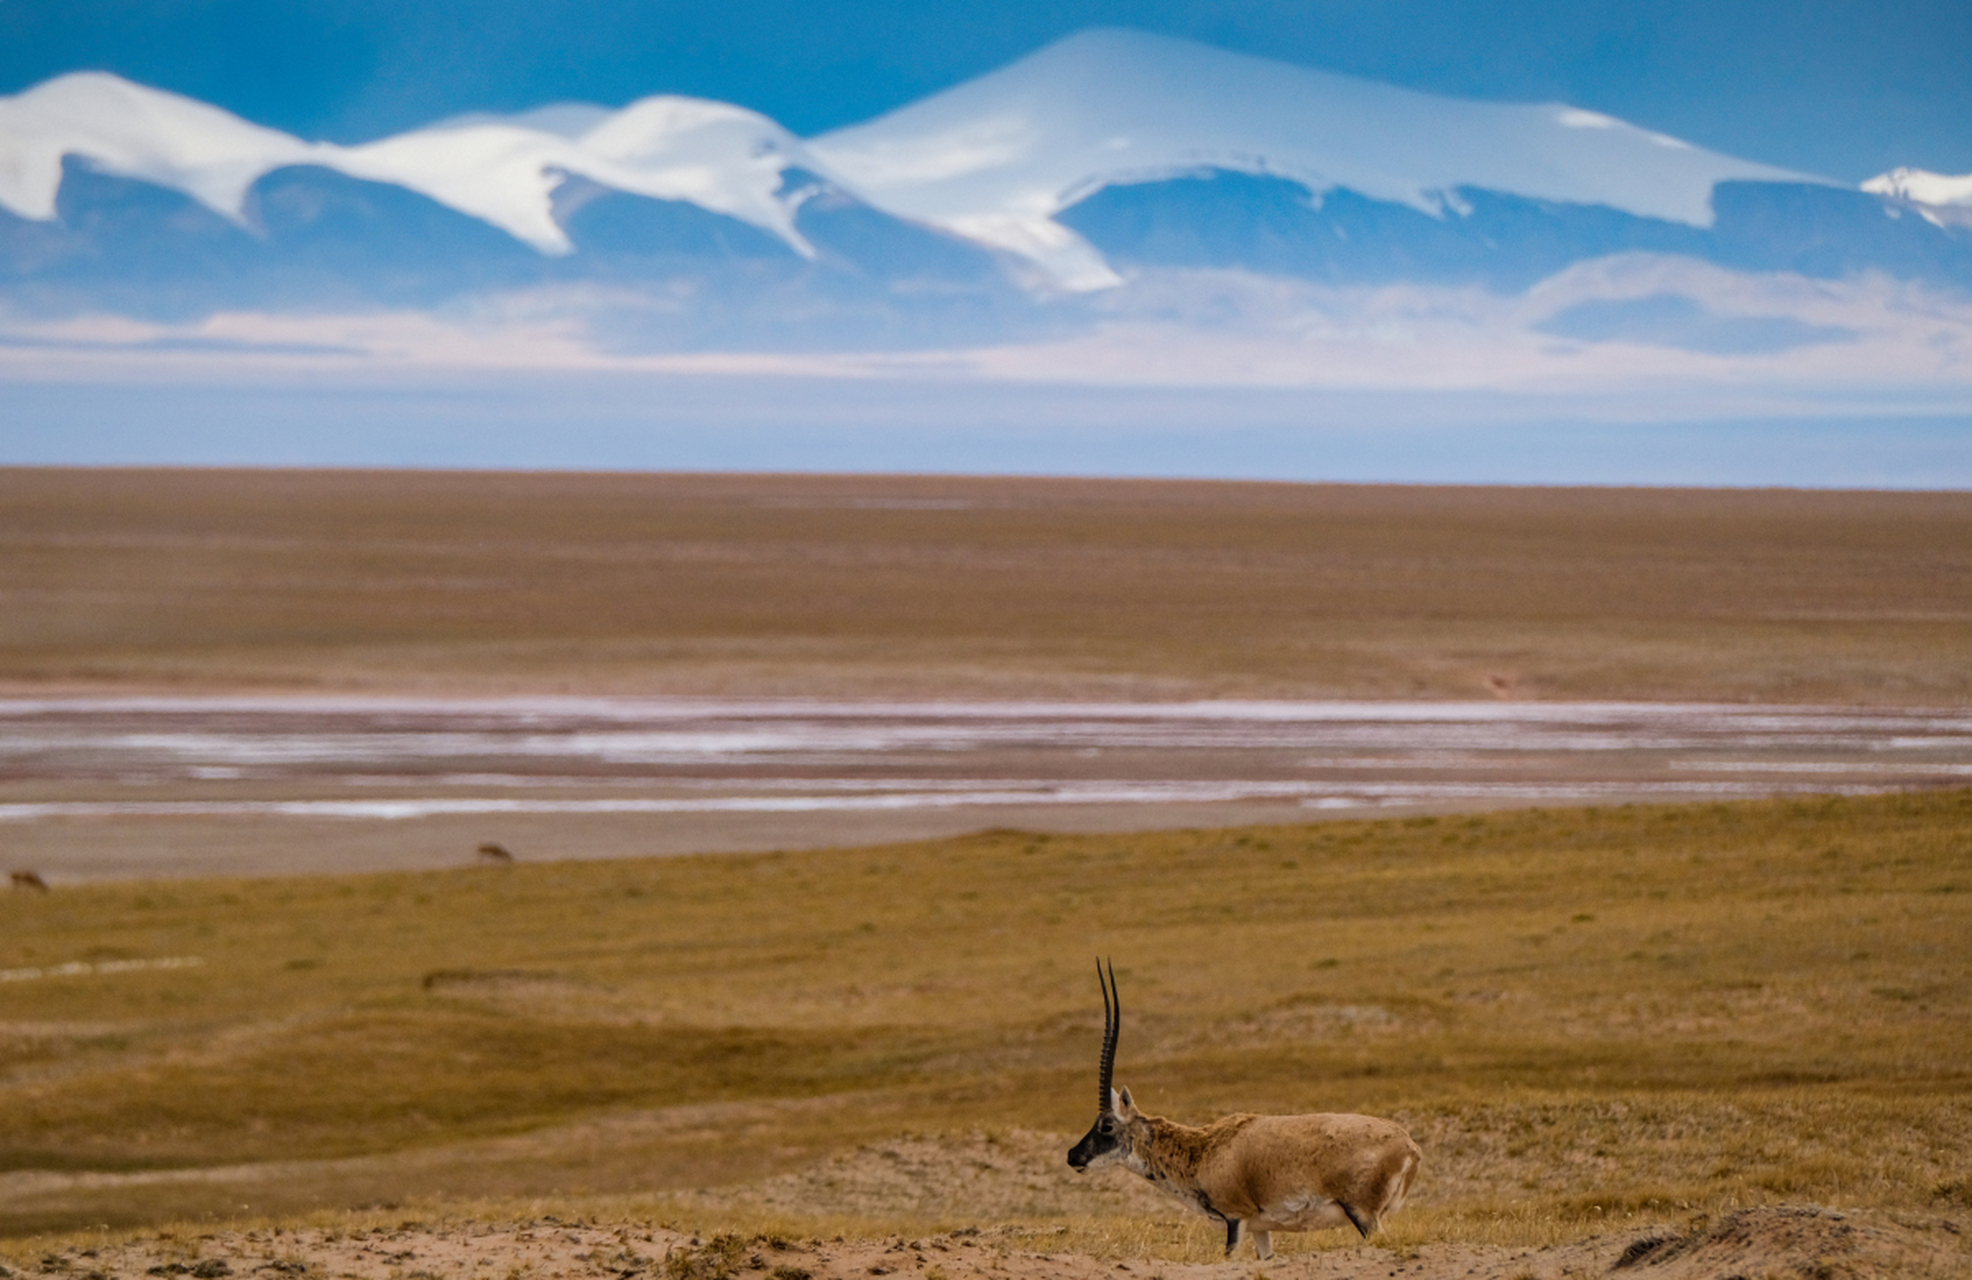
(1263, 1244)
(1235, 1228)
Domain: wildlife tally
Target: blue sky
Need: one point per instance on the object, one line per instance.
(1845, 88)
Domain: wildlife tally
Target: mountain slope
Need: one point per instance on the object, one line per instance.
(997, 157)
(1501, 241)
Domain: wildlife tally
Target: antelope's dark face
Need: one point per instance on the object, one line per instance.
(1108, 1141)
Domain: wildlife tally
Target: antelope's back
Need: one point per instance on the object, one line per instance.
(1364, 1160)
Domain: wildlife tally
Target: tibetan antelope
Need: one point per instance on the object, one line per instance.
(28, 880)
(1253, 1173)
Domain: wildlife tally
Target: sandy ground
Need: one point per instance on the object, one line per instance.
(1779, 1241)
(1002, 1187)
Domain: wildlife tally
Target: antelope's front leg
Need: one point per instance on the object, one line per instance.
(1234, 1229)
(1263, 1245)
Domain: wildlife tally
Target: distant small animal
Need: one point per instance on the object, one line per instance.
(28, 880)
(495, 853)
(1252, 1173)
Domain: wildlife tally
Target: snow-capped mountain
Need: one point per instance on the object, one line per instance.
(997, 158)
(1032, 199)
(503, 171)
(114, 196)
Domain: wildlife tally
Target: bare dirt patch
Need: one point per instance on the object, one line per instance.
(1785, 1241)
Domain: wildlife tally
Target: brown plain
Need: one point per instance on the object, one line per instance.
(847, 586)
(1664, 1037)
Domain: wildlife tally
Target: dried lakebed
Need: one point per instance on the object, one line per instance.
(139, 787)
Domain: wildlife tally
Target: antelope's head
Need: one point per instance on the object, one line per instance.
(1109, 1140)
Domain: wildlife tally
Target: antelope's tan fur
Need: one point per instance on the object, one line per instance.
(1262, 1174)
(1258, 1174)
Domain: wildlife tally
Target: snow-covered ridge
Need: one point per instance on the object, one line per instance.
(136, 132)
(995, 158)
(1923, 186)
(992, 160)
(503, 170)
(1942, 199)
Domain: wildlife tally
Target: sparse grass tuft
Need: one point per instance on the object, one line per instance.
(719, 1258)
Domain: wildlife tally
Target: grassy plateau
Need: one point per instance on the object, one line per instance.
(1583, 1015)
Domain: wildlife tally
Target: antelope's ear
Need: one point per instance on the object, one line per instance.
(1124, 1105)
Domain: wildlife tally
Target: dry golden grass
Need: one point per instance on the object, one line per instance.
(845, 585)
(1586, 1016)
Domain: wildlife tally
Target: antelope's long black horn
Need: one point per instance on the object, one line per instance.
(1112, 1026)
